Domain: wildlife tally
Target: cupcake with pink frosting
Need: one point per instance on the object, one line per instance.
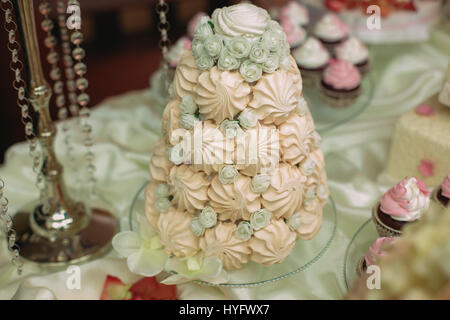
(442, 193)
(376, 251)
(331, 30)
(341, 83)
(404, 203)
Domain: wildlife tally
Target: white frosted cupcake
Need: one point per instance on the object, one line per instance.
(331, 30)
(353, 50)
(295, 13)
(312, 58)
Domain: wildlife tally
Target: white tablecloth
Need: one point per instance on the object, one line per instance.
(126, 128)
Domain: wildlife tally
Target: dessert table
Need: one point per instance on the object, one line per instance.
(126, 129)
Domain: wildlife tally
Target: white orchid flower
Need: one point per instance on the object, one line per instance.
(144, 252)
(207, 269)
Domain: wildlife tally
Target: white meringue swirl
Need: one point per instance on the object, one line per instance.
(221, 242)
(273, 243)
(275, 96)
(235, 200)
(221, 95)
(175, 233)
(240, 20)
(189, 188)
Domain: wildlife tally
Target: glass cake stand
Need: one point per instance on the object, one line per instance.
(356, 249)
(303, 256)
(327, 117)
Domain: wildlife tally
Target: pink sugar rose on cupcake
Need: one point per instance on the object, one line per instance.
(341, 83)
(402, 204)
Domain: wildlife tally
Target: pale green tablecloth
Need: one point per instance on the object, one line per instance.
(125, 130)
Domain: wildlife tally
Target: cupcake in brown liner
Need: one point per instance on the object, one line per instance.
(341, 83)
(376, 251)
(331, 30)
(312, 58)
(403, 204)
(442, 193)
(354, 51)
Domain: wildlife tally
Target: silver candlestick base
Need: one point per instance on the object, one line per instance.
(90, 242)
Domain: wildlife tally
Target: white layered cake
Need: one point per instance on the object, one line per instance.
(421, 143)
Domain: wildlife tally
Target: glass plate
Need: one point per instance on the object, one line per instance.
(304, 254)
(356, 249)
(327, 117)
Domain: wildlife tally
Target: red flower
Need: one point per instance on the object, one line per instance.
(150, 289)
(114, 289)
(145, 289)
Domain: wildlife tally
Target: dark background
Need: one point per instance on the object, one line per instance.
(121, 45)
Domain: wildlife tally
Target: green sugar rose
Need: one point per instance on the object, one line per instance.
(204, 62)
(250, 71)
(213, 46)
(227, 62)
(271, 64)
(244, 231)
(239, 47)
(258, 53)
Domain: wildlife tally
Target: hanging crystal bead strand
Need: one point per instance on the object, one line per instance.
(67, 59)
(83, 98)
(16, 66)
(70, 87)
(9, 231)
(162, 8)
(56, 75)
(53, 59)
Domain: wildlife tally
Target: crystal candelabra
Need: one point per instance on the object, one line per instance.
(58, 231)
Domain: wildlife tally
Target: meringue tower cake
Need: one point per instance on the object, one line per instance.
(239, 173)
